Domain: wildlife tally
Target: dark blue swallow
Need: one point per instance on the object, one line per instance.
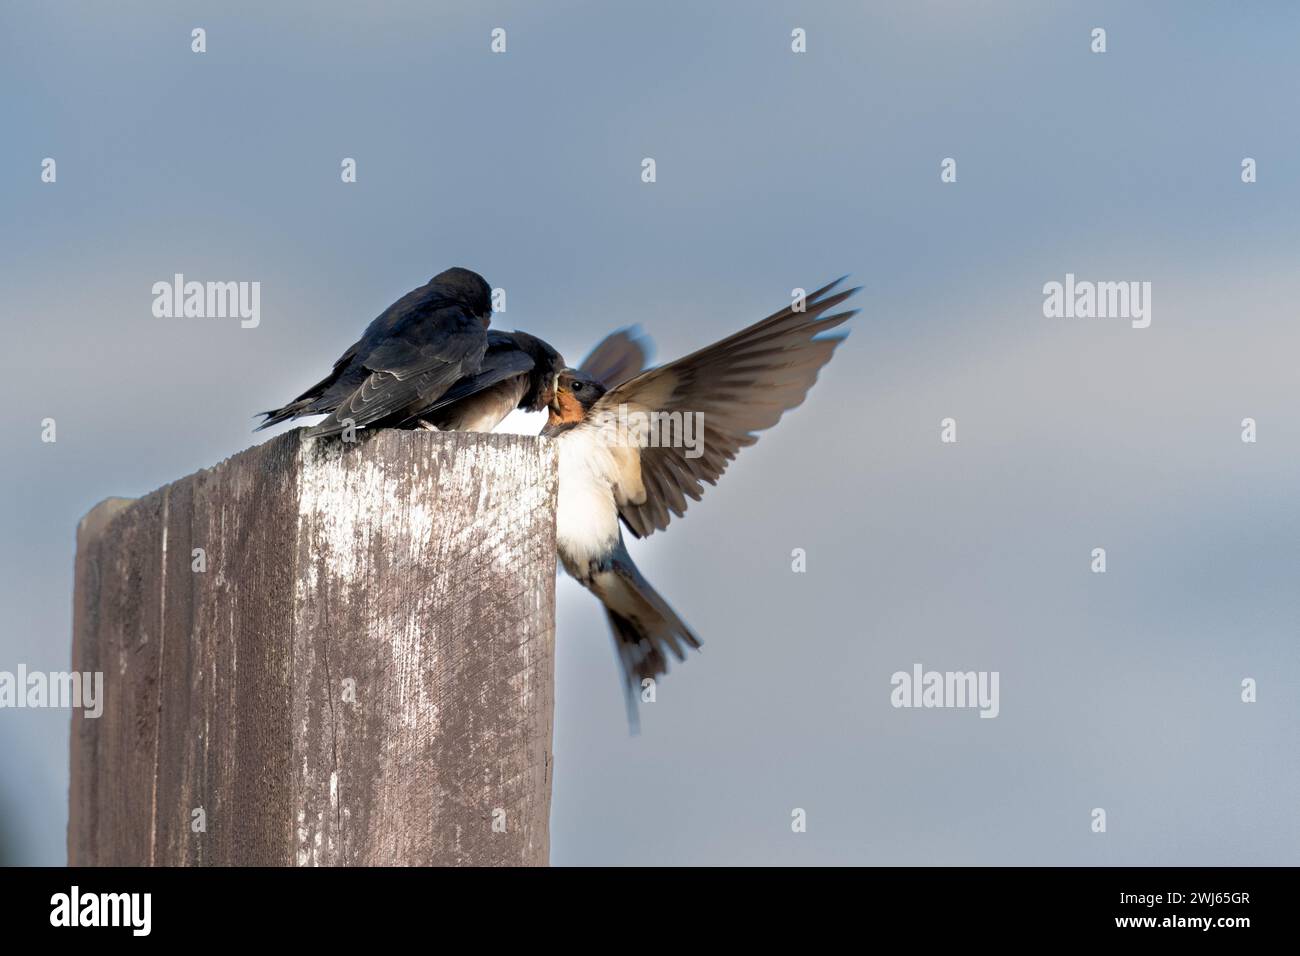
(418, 348)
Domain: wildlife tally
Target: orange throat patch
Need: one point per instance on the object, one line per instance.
(566, 410)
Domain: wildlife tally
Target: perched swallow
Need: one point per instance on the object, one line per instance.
(517, 371)
(475, 393)
(418, 348)
(740, 385)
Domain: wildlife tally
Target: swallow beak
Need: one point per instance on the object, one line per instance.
(548, 393)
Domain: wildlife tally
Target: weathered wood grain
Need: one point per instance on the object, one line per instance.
(363, 674)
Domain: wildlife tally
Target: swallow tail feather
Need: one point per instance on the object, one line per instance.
(645, 627)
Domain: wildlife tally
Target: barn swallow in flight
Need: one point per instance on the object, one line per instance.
(740, 385)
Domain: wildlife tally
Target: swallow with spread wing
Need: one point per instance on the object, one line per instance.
(739, 386)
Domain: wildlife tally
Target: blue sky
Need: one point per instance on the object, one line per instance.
(775, 170)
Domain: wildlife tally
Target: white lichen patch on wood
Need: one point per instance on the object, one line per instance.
(426, 575)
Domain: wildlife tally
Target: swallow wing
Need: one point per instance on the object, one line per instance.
(618, 357)
(414, 360)
(503, 360)
(740, 386)
(322, 396)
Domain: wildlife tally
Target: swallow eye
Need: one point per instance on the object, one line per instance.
(578, 387)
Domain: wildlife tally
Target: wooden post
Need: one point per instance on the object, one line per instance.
(320, 653)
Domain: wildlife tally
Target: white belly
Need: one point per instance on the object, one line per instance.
(486, 410)
(586, 522)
